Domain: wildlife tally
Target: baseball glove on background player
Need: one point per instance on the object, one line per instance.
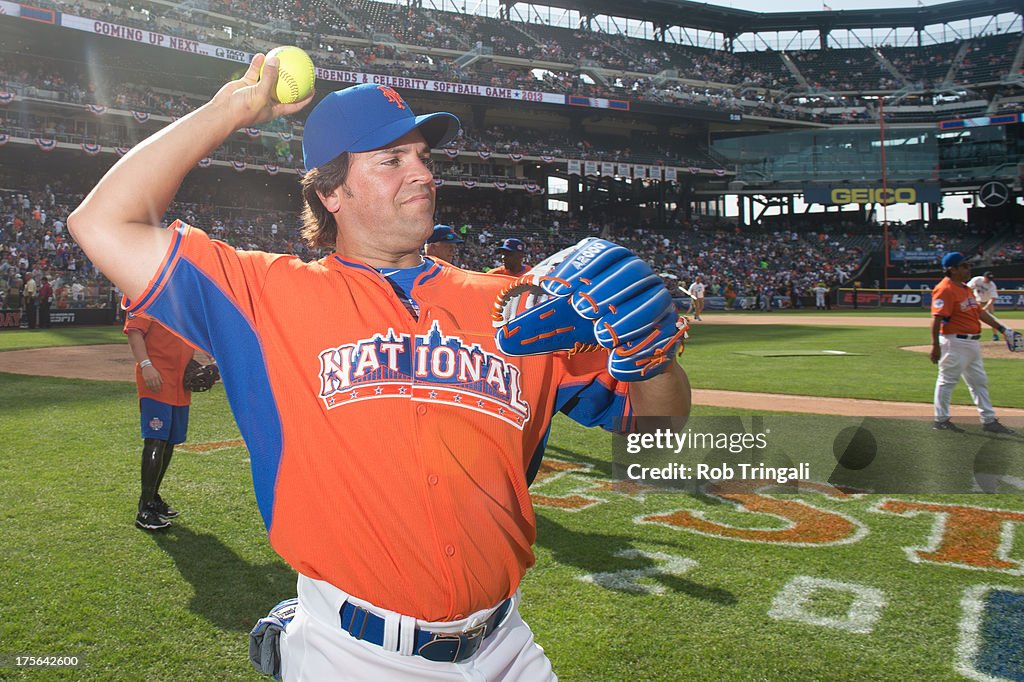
(198, 377)
(1014, 340)
(596, 294)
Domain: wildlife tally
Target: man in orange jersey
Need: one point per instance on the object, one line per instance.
(160, 358)
(512, 251)
(391, 443)
(956, 330)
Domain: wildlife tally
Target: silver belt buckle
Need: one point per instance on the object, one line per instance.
(480, 631)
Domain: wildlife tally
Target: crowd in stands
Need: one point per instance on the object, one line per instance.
(34, 75)
(786, 257)
(988, 59)
(1010, 251)
(386, 38)
(383, 38)
(750, 265)
(848, 70)
(925, 66)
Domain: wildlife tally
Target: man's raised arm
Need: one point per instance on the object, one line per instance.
(116, 224)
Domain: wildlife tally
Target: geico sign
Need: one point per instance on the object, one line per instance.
(873, 195)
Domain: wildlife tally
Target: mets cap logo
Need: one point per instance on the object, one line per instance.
(156, 423)
(392, 96)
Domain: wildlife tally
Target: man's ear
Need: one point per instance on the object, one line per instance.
(332, 201)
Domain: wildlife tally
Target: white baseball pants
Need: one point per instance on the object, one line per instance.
(961, 357)
(315, 648)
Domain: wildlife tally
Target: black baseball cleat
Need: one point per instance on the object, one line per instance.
(149, 519)
(947, 426)
(165, 510)
(995, 337)
(995, 427)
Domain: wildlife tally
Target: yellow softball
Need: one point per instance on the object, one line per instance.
(296, 74)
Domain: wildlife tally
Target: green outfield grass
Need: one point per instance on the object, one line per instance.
(81, 580)
(59, 336)
(920, 313)
(882, 371)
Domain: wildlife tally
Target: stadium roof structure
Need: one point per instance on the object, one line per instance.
(733, 22)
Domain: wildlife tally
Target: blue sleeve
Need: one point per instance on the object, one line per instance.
(597, 400)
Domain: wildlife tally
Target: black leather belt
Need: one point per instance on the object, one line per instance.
(969, 337)
(434, 646)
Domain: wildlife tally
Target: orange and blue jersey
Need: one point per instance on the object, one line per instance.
(169, 355)
(391, 452)
(954, 302)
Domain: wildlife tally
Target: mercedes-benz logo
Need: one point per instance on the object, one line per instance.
(994, 193)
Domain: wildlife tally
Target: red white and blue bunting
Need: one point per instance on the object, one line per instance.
(469, 184)
(271, 168)
(7, 97)
(4, 138)
(287, 137)
(719, 172)
(501, 186)
(140, 116)
(438, 182)
(531, 187)
(239, 166)
(253, 132)
(96, 109)
(516, 158)
(451, 153)
(205, 162)
(47, 144)
(483, 154)
(91, 149)
(694, 170)
(547, 159)
(121, 151)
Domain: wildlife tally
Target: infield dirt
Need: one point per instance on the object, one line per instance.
(113, 362)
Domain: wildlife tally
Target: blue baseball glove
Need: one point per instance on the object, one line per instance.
(594, 295)
(265, 638)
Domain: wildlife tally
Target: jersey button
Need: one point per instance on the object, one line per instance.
(421, 409)
(432, 479)
(450, 550)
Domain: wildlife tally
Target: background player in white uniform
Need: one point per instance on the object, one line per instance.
(697, 293)
(986, 292)
(819, 296)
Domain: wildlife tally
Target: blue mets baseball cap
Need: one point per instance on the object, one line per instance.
(512, 245)
(952, 258)
(446, 234)
(367, 117)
